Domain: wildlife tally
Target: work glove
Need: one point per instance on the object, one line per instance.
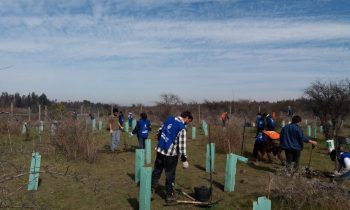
(185, 164)
(111, 131)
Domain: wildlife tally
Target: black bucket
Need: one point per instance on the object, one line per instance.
(203, 193)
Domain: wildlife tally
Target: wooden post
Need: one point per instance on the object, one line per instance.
(45, 114)
(81, 110)
(34, 171)
(148, 145)
(29, 114)
(193, 133)
(263, 203)
(139, 163)
(39, 112)
(112, 109)
(210, 157)
(140, 108)
(230, 176)
(199, 114)
(11, 109)
(145, 188)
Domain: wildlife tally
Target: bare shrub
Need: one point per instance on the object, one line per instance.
(76, 140)
(9, 126)
(227, 139)
(303, 193)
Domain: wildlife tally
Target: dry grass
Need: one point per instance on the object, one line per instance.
(76, 140)
(302, 193)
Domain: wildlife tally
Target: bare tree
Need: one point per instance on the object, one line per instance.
(330, 101)
(167, 102)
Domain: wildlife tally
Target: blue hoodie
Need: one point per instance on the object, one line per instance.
(292, 137)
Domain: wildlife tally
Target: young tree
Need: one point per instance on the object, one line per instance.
(330, 101)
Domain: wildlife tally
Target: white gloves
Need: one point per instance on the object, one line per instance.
(185, 164)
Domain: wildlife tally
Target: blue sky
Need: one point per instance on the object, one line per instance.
(132, 51)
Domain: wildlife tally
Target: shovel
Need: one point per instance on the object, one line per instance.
(308, 165)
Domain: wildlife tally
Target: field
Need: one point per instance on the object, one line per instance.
(109, 183)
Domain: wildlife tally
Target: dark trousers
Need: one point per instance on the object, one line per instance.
(168, 163)
(259, 147)
(292, 155)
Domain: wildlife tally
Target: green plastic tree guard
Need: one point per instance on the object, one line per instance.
(34, 171)
(309, 130)
(315, 132)
(100, 125)
(93, 124)
(139, 163)
(230, 176)
(148, 145)
(41, 126)
(263, 203)
(193, 133)
(145, 188)
(126, 127)
(207, 165)
(205, 128)
(24, 128)
(133, 124)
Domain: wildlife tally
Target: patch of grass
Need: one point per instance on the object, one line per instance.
(108, 182)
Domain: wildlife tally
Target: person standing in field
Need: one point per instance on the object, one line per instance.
(171, 145)
(260, 123)
(224, 118)
(142, 129)
(130, 119)
(121, 118)
(292, 140)
(115, 129)
(270, 122)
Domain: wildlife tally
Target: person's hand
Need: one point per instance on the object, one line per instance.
(111, 131)
(185, 164)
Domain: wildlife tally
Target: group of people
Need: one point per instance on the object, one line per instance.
(116, 126)
(290, 140)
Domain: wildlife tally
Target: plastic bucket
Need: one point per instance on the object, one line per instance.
(202, 193)
(330, 145)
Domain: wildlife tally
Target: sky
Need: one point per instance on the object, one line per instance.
(131, 51)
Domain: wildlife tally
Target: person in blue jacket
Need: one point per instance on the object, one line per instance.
(270, 123)
(292, 142)
(171, 145)
(260, 123)
(142, 129)
(130, 119)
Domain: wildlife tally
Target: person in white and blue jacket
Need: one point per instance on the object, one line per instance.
(343, 170)
(142, 129)
(171, 144)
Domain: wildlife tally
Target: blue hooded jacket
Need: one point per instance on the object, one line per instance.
(292, 137)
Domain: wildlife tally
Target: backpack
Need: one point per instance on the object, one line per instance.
(144, 127)
(169, 131)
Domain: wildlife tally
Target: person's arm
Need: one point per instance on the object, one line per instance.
(136, 129)
(182, 145)
(111, 125)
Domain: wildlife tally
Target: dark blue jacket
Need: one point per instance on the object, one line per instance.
(292, 137)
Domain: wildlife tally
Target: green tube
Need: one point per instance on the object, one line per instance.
(139, 163)
(309, 130)
(148, 150)
(145, 188)
(210, 155)
(193, 133)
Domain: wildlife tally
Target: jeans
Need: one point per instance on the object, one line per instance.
(141, 142)
(292, 155)
(168, 163)
(115, 139)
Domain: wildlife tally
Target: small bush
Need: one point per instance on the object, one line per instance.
(76, 140)
(227, 139)
(313, 194)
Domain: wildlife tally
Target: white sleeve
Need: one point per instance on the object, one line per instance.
(347, 163)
